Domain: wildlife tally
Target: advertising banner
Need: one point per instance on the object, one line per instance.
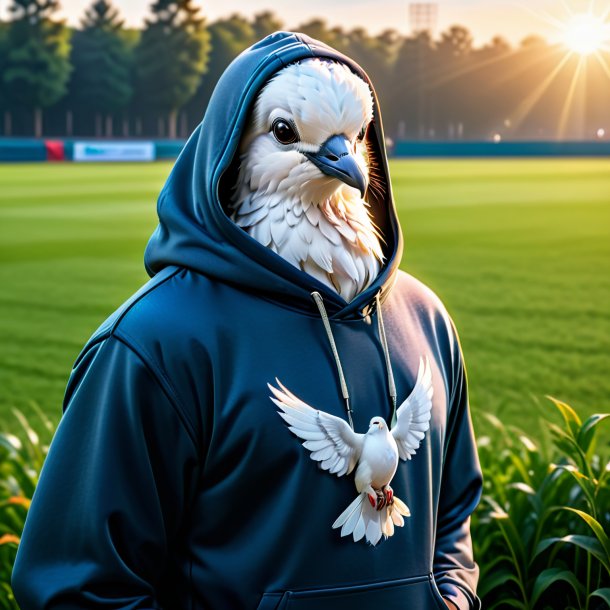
(114, 151)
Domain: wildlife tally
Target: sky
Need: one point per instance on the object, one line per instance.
(513, 19)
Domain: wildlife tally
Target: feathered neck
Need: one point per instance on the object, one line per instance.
(332, 237)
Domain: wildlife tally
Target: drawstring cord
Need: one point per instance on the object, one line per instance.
(388, 364)
(317, 297)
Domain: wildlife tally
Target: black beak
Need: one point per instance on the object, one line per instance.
(335, 158)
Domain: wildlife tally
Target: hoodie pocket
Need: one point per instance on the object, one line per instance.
(437, 594)
(416, 592)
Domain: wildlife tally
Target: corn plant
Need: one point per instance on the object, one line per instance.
(21, 458)
(541, 530)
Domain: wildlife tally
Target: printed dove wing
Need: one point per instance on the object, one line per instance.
(330, 440)
(413, 416)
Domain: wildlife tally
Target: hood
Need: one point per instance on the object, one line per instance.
(195, 232)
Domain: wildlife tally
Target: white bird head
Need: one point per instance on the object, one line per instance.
(306, 134)
(304, 169)
(377, 424)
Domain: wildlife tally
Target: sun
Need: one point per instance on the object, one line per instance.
(585, 34)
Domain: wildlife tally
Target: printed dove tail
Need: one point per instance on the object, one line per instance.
(361, 520)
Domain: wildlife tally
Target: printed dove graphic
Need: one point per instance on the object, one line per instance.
(339, 449)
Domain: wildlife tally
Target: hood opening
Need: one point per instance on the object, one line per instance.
(375, 197)
(194, 230)
(377, 200)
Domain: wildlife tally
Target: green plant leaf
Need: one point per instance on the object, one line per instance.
(497, 511)
(513, 603)
(498, 579)
(516, 548)
(587, 430)
(570, 417)
(603, 593)
(519, 464)
(604, 475)
(567, 443)
(588, 543)
(495, 422)
(529, 444)
(9, 539)
(550, 576)
(25, 424)
(584, 482)
(33, 446)
(596, 527)
(10, 441)
(483, 442)
(524, 487)
(491, 566)
(561, 438)
(47, 423)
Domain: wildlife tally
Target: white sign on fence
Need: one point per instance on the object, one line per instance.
(114, 151)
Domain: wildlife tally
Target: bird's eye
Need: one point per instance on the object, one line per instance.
(362, 133)
(284, 132)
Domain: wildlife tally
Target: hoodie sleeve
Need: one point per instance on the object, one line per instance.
(112, 492)
(455, 570)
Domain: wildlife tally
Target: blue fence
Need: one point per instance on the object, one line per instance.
(22, 149)
(31, 149)
(501, 149)
(168, 149)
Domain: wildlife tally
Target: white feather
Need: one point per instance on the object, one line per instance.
(343, 444)
(413, 415)
(316, 222)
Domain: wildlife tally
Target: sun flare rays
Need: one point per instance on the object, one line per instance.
(586, 34)
(583, 42)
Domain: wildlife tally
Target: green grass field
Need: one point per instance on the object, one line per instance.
(519, 251)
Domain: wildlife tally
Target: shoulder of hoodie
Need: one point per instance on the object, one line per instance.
(169, 306)
(424, 304)
(416, 294)
(165, 307)
(156, 325)
(165, 313)
(160, 316)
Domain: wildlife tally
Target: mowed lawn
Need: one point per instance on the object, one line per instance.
(519, 251)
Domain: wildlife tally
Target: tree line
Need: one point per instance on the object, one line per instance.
(105, 80)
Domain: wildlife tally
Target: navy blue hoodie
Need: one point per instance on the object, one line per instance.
(173, 483)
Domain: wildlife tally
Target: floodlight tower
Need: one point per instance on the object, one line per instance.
(423, 17)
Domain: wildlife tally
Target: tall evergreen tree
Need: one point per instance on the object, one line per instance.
(171, 57)
(318, 28)
(452, 60)
(411, 86)
(381, 67)
(101, 81)
(228, 38)
(265, 23)
(37, 66)
(3, 51)
(5, 128)
(376, 55)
